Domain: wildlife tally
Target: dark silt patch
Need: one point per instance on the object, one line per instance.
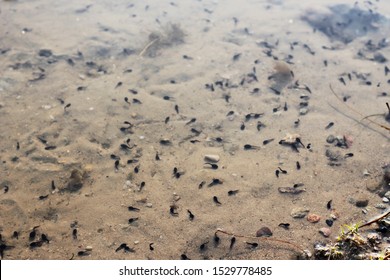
(344, 23)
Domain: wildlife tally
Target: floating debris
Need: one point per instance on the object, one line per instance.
(170, 35)
(282, 76)
(344, 23)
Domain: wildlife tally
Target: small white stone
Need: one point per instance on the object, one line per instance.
(303, 111)
(142, 137)
(136, 242)
(387, 195)
(308, 253)
(385, 200)
(211, 158)
(88, 248)
(149, 205)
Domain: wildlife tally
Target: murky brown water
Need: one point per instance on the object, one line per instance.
(72, 73)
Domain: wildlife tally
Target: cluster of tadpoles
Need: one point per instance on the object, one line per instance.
(259, 238)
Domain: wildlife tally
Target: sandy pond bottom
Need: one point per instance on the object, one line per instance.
(105, 106)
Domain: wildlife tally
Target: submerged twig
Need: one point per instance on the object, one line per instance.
(169, 36)
(296, 246)
(147, 47)
(357, 112)
(375, 220)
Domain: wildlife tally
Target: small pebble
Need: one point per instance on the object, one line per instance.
(334, 215)
(299, 213)
(387, 195)
(373, 237)
(373, 186)
(330, 139)
(366, 172)
(313, 218)
(325, 231)
(149, 205)
(329, 222)
(385, 200)
(211, 158)
(136, 242)
(380, 206)
(264, 231)
(88, 248)
(303, 111)
(361, 201)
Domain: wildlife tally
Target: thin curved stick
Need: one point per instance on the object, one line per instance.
(147, 47)
(376, 219)
(262, 238)
(357, 112)
(373, 115)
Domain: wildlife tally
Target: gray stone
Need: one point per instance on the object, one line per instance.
(299, 213)
(330, 139)
(75, 182)
(303, 111)
(333, 155)
(380, 206)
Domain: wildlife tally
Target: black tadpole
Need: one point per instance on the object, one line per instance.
(215, 199)
(232, 241)
(250, 147)
(122, 246)
(190, 215)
